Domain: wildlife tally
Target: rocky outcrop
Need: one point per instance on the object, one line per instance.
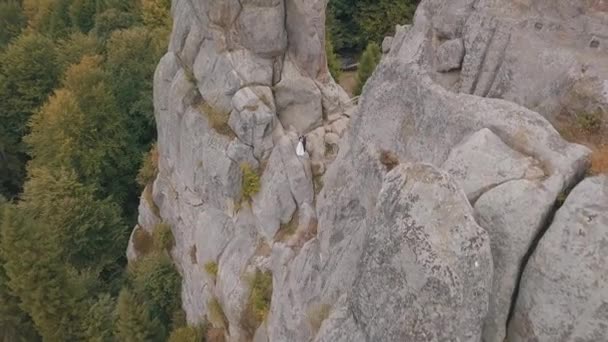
(547, 55)
(564, 289)
(410, 217)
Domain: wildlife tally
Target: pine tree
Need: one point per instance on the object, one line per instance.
(28, 73)
(133, 323)
(13, 21)
(99, 321)
(80, 128)
(156, 281)
(333, 63)
(367, 64)
(52, 293)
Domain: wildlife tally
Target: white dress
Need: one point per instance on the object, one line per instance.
(300, 149)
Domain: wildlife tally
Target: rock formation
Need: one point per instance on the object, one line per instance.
(412, 216)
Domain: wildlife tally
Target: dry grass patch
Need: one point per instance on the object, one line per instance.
(250, 182)
(258, 304)
(317, 314)
(149, 167)
(216, 314)
(215, 335)
(389, 159)
(142, 241)
(289, 229)
(212, 268)
(599, 160)
(589, 130)
(163, 237)
(218, 119)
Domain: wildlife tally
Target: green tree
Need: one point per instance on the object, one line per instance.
(71, 49)
(132, 58)
(156, 13)
(111, 20)
(82, 129)
(333, 63)
(82, 13)
(354, 23)
(156, 282)
(28, 73)
(12, 21)
(134, 323)
(99, 321)
(377, 18)
(367, 64)
(51, 292)
(188, 334)
(15, 324)
(90, 231)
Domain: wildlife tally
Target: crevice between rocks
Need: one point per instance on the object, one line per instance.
(548, 221)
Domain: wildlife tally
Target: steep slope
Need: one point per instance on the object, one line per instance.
(430, 200)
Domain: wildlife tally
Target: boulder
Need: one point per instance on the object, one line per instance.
(274, 204)
(483, 161)
(450, 55)
(261, 26)
(252, 119)
(514, 214)
(298, 100)
(432, 267)
(297, 169)
(563, 293)
(386, 44)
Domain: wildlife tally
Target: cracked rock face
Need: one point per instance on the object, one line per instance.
(427, 246)
(564, 290)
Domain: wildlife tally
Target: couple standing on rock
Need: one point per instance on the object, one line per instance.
(301, 148)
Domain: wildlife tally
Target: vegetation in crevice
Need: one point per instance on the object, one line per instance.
(317, 314)
(258, 304)
(163, 237)
(218, 120)
(211, 268)
(389, 159)
(250, 182)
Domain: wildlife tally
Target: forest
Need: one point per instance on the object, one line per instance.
(77, 137)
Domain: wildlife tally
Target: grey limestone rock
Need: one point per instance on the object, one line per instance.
(450, 55)
(564, 290)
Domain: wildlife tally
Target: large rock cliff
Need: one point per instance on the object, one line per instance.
(426, 213)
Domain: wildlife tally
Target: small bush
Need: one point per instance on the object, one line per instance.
(389, 159)
(216, 314)
(251, 181)
(367, 64)
(599, 160)
(188, 334)
(317, 315)
(259, 300)
(218, 120)
(211, 268)
(163, 237)
(156, 281)
(142, 241)
(149, 167)
(590, 121)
